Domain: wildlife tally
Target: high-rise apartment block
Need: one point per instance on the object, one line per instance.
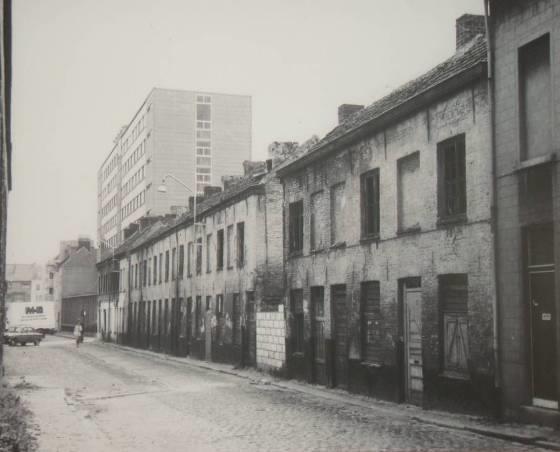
(196, 137)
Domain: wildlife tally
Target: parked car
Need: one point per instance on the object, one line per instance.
(22, 335)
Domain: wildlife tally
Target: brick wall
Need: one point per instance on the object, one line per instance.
(427, 252)
(271, 337)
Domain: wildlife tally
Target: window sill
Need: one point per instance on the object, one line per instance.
(338, 245)
(230, 267)
(317, 251)
(531, 163)
(369, 238)
(220, 269)
(294, 254)
(455, 219)
(409, 231)
(372, 365)
(454, 375)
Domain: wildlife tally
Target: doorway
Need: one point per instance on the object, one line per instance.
(250, 349)
(340, 335)
(318, 335)
(412, 336)
(542, 307)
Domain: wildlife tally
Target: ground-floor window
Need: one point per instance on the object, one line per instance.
(453, 290)
(370, 320)
(296, 301)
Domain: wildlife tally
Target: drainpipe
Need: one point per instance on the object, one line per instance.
(494, 208)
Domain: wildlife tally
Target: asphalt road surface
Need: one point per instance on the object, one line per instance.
(100, 398)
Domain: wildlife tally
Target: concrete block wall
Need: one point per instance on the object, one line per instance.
(271, 340)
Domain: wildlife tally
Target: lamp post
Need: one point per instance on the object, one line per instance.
(163, 189)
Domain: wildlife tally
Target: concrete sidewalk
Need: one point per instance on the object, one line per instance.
(521, 433)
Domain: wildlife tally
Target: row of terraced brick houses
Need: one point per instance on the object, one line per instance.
(369, 261)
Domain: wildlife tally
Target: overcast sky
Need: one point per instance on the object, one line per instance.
(81, 69)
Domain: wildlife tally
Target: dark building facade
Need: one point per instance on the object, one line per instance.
(389, 244)
(78, 276)
(525, 48)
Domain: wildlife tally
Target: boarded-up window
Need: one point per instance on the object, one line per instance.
(370, 203)
(409, 200)
(454, 306)
(371, 321)
(535, 98)
(338, 207)
(452, 185)
(318, 229)
(295, 219)
(318, 303)
(296, 301)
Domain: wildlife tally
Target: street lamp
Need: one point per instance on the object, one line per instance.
(163, 189)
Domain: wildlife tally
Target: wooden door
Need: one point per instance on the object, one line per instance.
(318, 335)
(340, 335)
(543, 320)
(414, 385)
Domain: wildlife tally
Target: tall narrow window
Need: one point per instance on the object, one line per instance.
(167, 266)
(199, 256)
(371, 321)
(220, 249)
(173, 262)
(296, 301)
(296, 226)
(240, 244)
(189, 257)
(338, 214)
(409, 200)
(181, 261)
(535, 94)
(318, 236)
(236, 320)
(160, 267)
(452, 188)
(208, 253)
(229, 248)
(454, 316)
(155, 270)
(370, 203)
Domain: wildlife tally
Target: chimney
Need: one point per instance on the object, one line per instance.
(84, 242)
(252, 167)
(280, 151)
(228, 181)
(130, 229)
(178, 210)
(199, 199)
(268, 165)
(210, 190)
(467, 27)
(347, 110)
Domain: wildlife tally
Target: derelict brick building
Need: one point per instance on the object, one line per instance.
(389, 243)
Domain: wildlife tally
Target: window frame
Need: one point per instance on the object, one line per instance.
(295, 225)
(443, 150)
(370, 208)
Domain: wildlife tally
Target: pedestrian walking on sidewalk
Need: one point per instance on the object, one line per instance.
(78, 333)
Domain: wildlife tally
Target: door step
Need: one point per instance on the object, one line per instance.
(540, 416)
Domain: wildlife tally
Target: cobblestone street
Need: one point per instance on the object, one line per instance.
(103, 398)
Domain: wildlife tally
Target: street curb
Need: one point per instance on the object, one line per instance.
(531, 440)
